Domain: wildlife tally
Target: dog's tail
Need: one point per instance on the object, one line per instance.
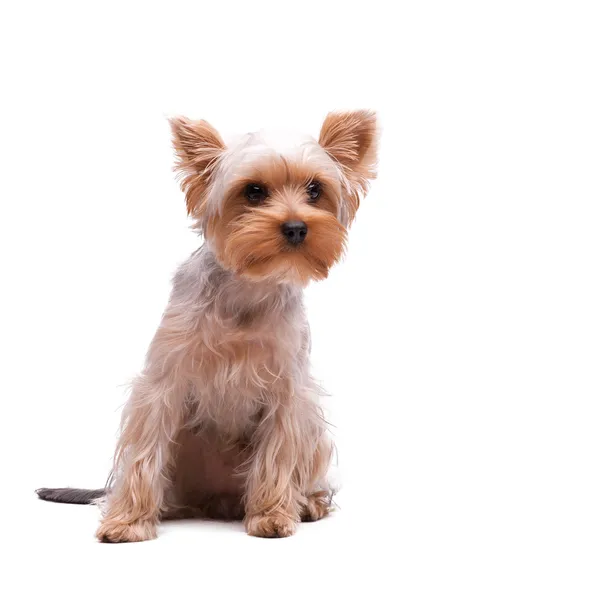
(70, 495)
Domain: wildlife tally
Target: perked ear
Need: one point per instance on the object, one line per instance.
(198, 147)
(350, 138)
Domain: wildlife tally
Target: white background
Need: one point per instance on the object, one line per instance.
(460, 340)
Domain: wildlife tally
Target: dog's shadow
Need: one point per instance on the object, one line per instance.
(220, 527)
(170, 526)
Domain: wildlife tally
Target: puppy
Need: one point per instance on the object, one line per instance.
(224, 420)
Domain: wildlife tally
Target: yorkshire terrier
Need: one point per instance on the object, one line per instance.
(224, 421)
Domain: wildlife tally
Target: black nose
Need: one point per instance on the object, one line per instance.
(294, 231)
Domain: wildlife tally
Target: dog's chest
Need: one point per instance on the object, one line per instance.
(252, 354)
(241, 367)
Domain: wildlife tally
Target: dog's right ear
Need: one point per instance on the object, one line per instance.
(198, 147)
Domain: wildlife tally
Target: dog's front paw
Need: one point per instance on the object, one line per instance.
(118, 532)
(271, 526)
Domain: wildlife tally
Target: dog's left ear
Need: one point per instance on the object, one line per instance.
(350, 138)
(198, 146)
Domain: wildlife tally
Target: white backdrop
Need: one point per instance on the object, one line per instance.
(460, 339)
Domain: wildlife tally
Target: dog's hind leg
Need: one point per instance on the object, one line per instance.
(316, 506)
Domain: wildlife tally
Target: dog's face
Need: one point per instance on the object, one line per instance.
(277, 207)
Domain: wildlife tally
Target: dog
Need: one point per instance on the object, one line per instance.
(224, 420)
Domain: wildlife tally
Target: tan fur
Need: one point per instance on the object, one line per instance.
(198, 146)
(351, 139)
(224, 421)
(249, 242)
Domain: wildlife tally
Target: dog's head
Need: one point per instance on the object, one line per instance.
(277, 207)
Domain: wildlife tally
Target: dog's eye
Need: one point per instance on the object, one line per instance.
(314, 191)
(255, 193)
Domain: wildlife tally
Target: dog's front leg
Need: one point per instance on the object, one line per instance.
(291, 454)
(151, 421)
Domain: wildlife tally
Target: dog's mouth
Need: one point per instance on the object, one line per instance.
(257, 248)
(256, 262)
(291, 265)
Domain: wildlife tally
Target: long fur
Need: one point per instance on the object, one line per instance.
(224, 420)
